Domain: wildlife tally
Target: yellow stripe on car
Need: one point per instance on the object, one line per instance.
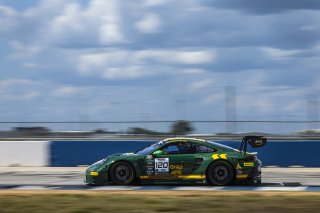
(192, 176)
(179, 176)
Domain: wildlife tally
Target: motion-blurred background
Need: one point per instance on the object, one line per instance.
(118, 67)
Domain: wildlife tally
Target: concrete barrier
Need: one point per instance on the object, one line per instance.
(73, 153)
(24, 153)
(275, 153)
(286, 153)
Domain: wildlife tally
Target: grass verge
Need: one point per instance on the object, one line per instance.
(158, 201)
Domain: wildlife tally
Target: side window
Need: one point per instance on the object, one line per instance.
(204, 149)
(171, 149)
(187, 148)
(180, 148)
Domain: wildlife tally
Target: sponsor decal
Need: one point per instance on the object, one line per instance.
(176, 172)
(238, 166)
(176, 169)
(150, 167)
(161, 165)
(248, 164)
(219, 156)
(242, 176)
(176, 166)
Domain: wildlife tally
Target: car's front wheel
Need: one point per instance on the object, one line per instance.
(220, 173)
(122, 173)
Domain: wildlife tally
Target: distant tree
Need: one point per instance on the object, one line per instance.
(138, 130)
(181, 127)
(100, 131)
(142, 131)
(32, 129)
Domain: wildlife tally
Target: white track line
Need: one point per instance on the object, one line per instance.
(112, 188)
(31, 188)
(282, 188)
(199, 188)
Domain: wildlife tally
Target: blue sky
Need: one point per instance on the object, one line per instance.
(157, 59)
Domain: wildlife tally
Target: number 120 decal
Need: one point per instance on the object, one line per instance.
(161, 164)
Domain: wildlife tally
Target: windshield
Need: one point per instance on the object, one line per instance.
(150, 148)
(218, 145)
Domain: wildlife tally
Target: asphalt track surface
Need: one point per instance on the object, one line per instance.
(71, 178)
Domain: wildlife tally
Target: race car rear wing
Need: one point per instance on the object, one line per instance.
(254, 142)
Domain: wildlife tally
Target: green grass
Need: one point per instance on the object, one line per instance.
(159, 202)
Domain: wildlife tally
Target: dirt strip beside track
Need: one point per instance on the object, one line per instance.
(159, 193)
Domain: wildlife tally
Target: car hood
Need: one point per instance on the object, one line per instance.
(124, 156)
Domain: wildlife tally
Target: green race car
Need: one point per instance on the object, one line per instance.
(176, 160)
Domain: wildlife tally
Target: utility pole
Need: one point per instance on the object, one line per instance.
(230, 109)
(312, 112)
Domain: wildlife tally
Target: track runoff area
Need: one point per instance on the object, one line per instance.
(71, 178)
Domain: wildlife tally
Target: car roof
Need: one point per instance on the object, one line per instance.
(182, 139)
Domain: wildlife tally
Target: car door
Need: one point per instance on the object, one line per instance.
(176, 162)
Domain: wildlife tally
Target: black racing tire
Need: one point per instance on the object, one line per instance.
(220, 173)
(122, 173)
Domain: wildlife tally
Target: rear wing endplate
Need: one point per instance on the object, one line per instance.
(254, 142)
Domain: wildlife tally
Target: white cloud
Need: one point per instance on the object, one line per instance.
(151, 23)
(31, 65)
(212, 99)
(125, 72)
(18, 89)
(23, 51)
(6, 11)
(193, 71)
(177, 56)
(97, 62)
(201, 84)
(15, 82)
(124, 64)
(69, 20)
(110, 29)
(65, 91)
(7, 19)
(280, 54)
(155, 2)
(294, 106)
(181, 45)
(195, 57)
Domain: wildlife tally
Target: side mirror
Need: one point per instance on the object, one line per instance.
(157, 153)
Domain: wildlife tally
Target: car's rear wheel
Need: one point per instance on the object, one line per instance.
(220, 173)
(122, 173)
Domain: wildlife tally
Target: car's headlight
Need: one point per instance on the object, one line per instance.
(100, 162)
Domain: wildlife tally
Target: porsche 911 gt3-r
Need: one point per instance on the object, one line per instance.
(181, 160)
